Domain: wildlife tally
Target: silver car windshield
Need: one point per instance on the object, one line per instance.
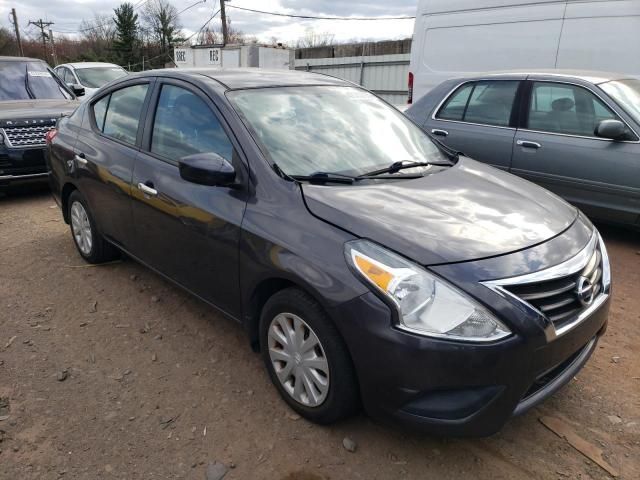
(331, 129)
(99, 76)
(627, 94)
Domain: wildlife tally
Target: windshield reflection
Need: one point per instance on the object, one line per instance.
(331, 129)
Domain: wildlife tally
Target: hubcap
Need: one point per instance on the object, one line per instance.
(298, 359)
(81, 228)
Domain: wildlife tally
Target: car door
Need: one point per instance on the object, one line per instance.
(105, 154)
(188, 232)
(478, 119)
(558, 149)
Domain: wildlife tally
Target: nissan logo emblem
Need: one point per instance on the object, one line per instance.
(584, 291)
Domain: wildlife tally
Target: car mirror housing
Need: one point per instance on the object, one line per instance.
(612, 129)
(77, 89)
(207, 169)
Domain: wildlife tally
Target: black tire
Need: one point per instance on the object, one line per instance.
(101, 251)
(342, 399)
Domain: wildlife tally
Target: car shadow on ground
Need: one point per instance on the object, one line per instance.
(31, 192)
(623, 235)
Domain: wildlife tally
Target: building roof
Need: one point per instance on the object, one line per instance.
(256, 77)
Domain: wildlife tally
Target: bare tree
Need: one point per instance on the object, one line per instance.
(209, 36)
(98, 35)
(233, 34)
(312, 39)
(7, 42)
(160, 20)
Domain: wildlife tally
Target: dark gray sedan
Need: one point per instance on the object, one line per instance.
(575, 133)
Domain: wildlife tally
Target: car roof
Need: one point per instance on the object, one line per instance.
(20, 59)
(81, 65)
(238, 78)
(594, 77)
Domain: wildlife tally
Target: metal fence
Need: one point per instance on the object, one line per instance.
(385, 75)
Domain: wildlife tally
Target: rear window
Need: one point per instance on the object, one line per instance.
(98, 76)
(483, 102)
(30, 80)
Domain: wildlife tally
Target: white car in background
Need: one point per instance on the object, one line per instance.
(89, 75)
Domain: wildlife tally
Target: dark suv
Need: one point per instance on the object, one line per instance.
(32, 98)
(368, 264)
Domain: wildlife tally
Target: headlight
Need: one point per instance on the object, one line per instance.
(426, 304)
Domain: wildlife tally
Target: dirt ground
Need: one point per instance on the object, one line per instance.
(159, 386)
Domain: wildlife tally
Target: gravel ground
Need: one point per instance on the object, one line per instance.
(111, 372)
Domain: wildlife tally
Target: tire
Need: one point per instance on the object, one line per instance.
(91, 246)
(303, 317)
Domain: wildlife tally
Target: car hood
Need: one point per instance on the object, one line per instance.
(32, 109)
(466, 212)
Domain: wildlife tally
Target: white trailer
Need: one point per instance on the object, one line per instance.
(471, 36)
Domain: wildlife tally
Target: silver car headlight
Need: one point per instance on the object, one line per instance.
(426, 304)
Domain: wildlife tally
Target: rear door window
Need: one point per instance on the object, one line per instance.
(185, 125)
(117, 115)
(566, 109)
(483, 102)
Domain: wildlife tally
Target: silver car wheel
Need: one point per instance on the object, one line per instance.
(298, 359)
(81, 228)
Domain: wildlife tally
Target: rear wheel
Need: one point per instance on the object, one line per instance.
(306, 358)
(90, 244)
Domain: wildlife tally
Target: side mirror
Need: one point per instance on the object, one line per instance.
(76, 88)
(612, 129)
(207, 169)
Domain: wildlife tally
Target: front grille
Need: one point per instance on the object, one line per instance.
(563, 298)
(26, 136)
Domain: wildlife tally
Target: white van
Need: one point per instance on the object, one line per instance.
(471, 36)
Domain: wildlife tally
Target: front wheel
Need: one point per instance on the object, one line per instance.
(90, 244)
(306, 358)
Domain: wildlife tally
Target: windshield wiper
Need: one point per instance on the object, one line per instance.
(325, 177)
(401, 165)
(26, 82)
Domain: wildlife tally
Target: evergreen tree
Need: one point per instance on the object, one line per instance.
(126, 33)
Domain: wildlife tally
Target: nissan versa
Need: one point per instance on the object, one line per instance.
(368, 264)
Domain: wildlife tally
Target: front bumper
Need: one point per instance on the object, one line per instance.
(470, 389)
(457, 389)
(22, 166)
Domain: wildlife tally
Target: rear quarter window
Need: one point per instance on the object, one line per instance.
(117, 115)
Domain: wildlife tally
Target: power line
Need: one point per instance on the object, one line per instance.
(316, 17)
(201, 28)
(41, 25)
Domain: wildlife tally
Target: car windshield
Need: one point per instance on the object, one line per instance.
(627, 94)
(95, 77)
(29, 80)
(331, 129)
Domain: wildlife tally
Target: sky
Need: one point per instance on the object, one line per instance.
(68, 14)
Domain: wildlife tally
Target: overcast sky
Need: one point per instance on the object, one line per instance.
(67, 15)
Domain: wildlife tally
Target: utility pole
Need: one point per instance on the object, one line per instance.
(53, 48)
(41, 25)
(15, 25)
(223, 17)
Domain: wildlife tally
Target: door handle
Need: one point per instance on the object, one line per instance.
(147, 190)
(528, 144)
(440, 133)
(79, 158)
